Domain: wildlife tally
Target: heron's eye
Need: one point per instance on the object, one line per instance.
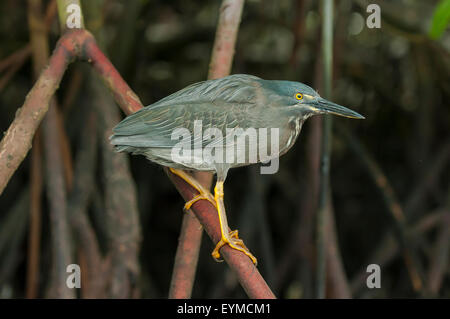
(299, 96)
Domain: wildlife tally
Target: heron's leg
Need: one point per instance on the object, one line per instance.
(203, 193)
(230, 238)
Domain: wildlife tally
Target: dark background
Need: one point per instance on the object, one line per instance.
(396, 76)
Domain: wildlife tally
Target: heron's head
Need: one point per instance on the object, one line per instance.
(298, 96)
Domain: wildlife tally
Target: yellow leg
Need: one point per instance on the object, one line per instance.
(203, 193)
(230, 238)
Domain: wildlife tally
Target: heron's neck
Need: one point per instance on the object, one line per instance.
(295, 125)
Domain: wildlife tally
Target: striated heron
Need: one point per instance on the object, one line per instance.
(228, 108)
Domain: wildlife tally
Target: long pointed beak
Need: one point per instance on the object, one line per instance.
(324, 106)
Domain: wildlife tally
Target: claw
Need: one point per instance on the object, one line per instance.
(234, 242)
(203, 193)
(205, 196)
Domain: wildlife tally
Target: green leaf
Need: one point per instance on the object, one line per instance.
(441, 18)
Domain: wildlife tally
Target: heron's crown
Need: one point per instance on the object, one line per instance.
(290, 88)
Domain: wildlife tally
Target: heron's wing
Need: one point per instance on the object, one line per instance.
(236, 88)
(223, 103)
(149, 127)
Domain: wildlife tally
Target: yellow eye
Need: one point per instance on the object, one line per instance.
(299, 96)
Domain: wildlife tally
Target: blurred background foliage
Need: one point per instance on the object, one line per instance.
(396, 76)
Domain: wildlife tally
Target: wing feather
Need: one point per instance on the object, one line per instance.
(224, 103)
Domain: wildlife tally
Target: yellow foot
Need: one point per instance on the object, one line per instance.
(234, 242)
(206, 196)
(203, 192)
